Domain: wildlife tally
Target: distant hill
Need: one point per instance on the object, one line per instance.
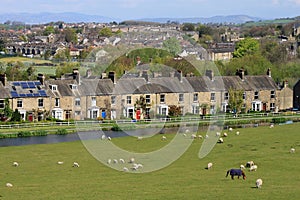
(235, 19)
(40, 18)
(71, 17)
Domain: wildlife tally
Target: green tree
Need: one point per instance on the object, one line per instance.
(204, 30)
(48, 30)
(16, 116)
(174, 111)
(188, 27)
(65, 68)
(7, 111)
(70, 35)
(172, 45)
(2, 45)
(248, 46)
(140, 104)
(235, 101)
(105, 32)
(62, 54)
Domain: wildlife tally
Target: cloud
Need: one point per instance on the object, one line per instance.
(296, 1)
(130, 3)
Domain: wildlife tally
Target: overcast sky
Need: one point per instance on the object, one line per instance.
(134, 9)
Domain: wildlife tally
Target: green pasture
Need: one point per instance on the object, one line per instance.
(40, 177)
(24, 59)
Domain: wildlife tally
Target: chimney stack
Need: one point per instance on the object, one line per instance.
(210, 74)
(3, 79)
(41, 78)
(145, 75)
(269, 72)
(285, 84)
(179, 75)
(112, 76)
(76, 75)
(88, 73)
(240, 73)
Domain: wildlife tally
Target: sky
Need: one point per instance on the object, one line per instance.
(138, 9)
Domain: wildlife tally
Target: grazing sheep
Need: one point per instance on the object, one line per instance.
(109, 138)
(108, 161)
(272, 126)
(184, 135)
(75, 164)
(125, 169)
(242, 167)
(206, 136)
(193, 136)
(139, 138)
(131, 160)
(292, 150)
(60, 162)
(103, 137)
(187, 130)
(136, 166)
(122, 160)
(115, 161)
(163, 137)
(220, 140)
(209, 165)
(253, 168)
(259, 183)
(237, 133)
(200, 136)
(218, 134)
(9, 185)
(249, 164)
(230, 129)
(15, 164)
(225, 135)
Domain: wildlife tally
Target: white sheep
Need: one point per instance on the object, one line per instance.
(253, 168)
(163, 137)
(103, 137)
(15, 164)
(109, 138)
(259, 183)
(242, 167)
(139, 138)
(237, 133)
(131, 160)
(122, 160)
(193, 136)
(60, 162)
(125, 169)
(218, 134)
(292, 150)
(225, 135)
(75, 164)
(187, 130)
(230, 129)
(206, 136)
(200, 136)
(115, 161)
(184, 135)
(109, 161)
(9, 185)
(272, 126)
(209, 165)
(249, 163)
(220, 140)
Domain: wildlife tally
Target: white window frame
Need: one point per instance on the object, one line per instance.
(181, 97)
(77, 102)
(128, 100)
(195, 97)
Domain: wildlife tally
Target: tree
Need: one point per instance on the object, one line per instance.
(105, 32)
(2, 45)
(248, 46)
(140, 104)
(174, 111)
(65, 68)
(235, 100)
(16, 116)
(70, 35)
(188, 27)
(204, 30)
(48, 30)
(7, 111)
(172, 45)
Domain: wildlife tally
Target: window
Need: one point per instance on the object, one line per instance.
(272, 106)
(53, 87)
(113, 99)
(20, 103)
(77, 113)
(40, 102)
(212, 109)
(128, 99)
(181, 98)
(195, 97)
(148, 99)
(162, 98)
(226, 96)
(57, 102)
(148, 112)
(244, 95)
(212, 96)
(272, 94)
(77, 101)
(93, 101)
(256, 95)
(2, 104)
(195, 109)
(73, 87)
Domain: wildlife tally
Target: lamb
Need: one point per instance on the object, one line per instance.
(187, 130)
(237, 133)
(253, 168)
(109, 138)
(163, 137)
(225, 135)
(15, 164)
(103, 137)
(230, 129)
(209, 165)
(220, 140)
(218, 134)
(9, 185)
(75, 164)
(122, 160)
(193, 136)
(108, 161)
(249, 164)
(139, 138)
(206, 136)
(125, 169)
(259, 183)
(292, 150)
(200, 136)
(60, 162)
(131, 160)
(272, 126)
(115, 161)
(242, 167)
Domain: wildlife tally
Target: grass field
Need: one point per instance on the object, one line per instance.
(39, 177)
(23, 59)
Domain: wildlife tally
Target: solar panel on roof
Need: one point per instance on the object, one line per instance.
(14, 94)
(22, 95)
(29, 95)
(16, 83)
(43, 93)
(37, 83)
(31, 84)
(24, 85)
(36, 94)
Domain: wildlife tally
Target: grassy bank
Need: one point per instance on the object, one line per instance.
(39, 176)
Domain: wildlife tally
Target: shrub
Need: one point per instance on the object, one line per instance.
(24, 134)
(61, 131)
(40, 133)
(278, 120)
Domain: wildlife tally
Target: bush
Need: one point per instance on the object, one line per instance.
(24, 134)
(61, 131)
(279, 120)
(40, 133)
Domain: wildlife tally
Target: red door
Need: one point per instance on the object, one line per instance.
(138, 114)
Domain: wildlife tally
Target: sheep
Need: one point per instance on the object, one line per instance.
(131, 160)
(218, 134)
(206, 136)
(139, 138)
(184, 135)
(137, 166)
(60, 162)
(163, 137)
(249, 164)
(272, 126)
(15, 164)
(253, 168)
(109, 161)
(230, 129)
(75, 164)
(200, 136)
(193, 136)
(109, 138)
(259, 183)
(125, 169)
(220, 140)
(292, 150)
(9, 185)
(115, 161)
(209, 165)
(237, 133)
(122, 160)
(225, 135)
(187, 130)
(103, 137)
(242, 167)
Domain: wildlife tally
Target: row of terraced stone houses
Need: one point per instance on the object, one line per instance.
(88, 97)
